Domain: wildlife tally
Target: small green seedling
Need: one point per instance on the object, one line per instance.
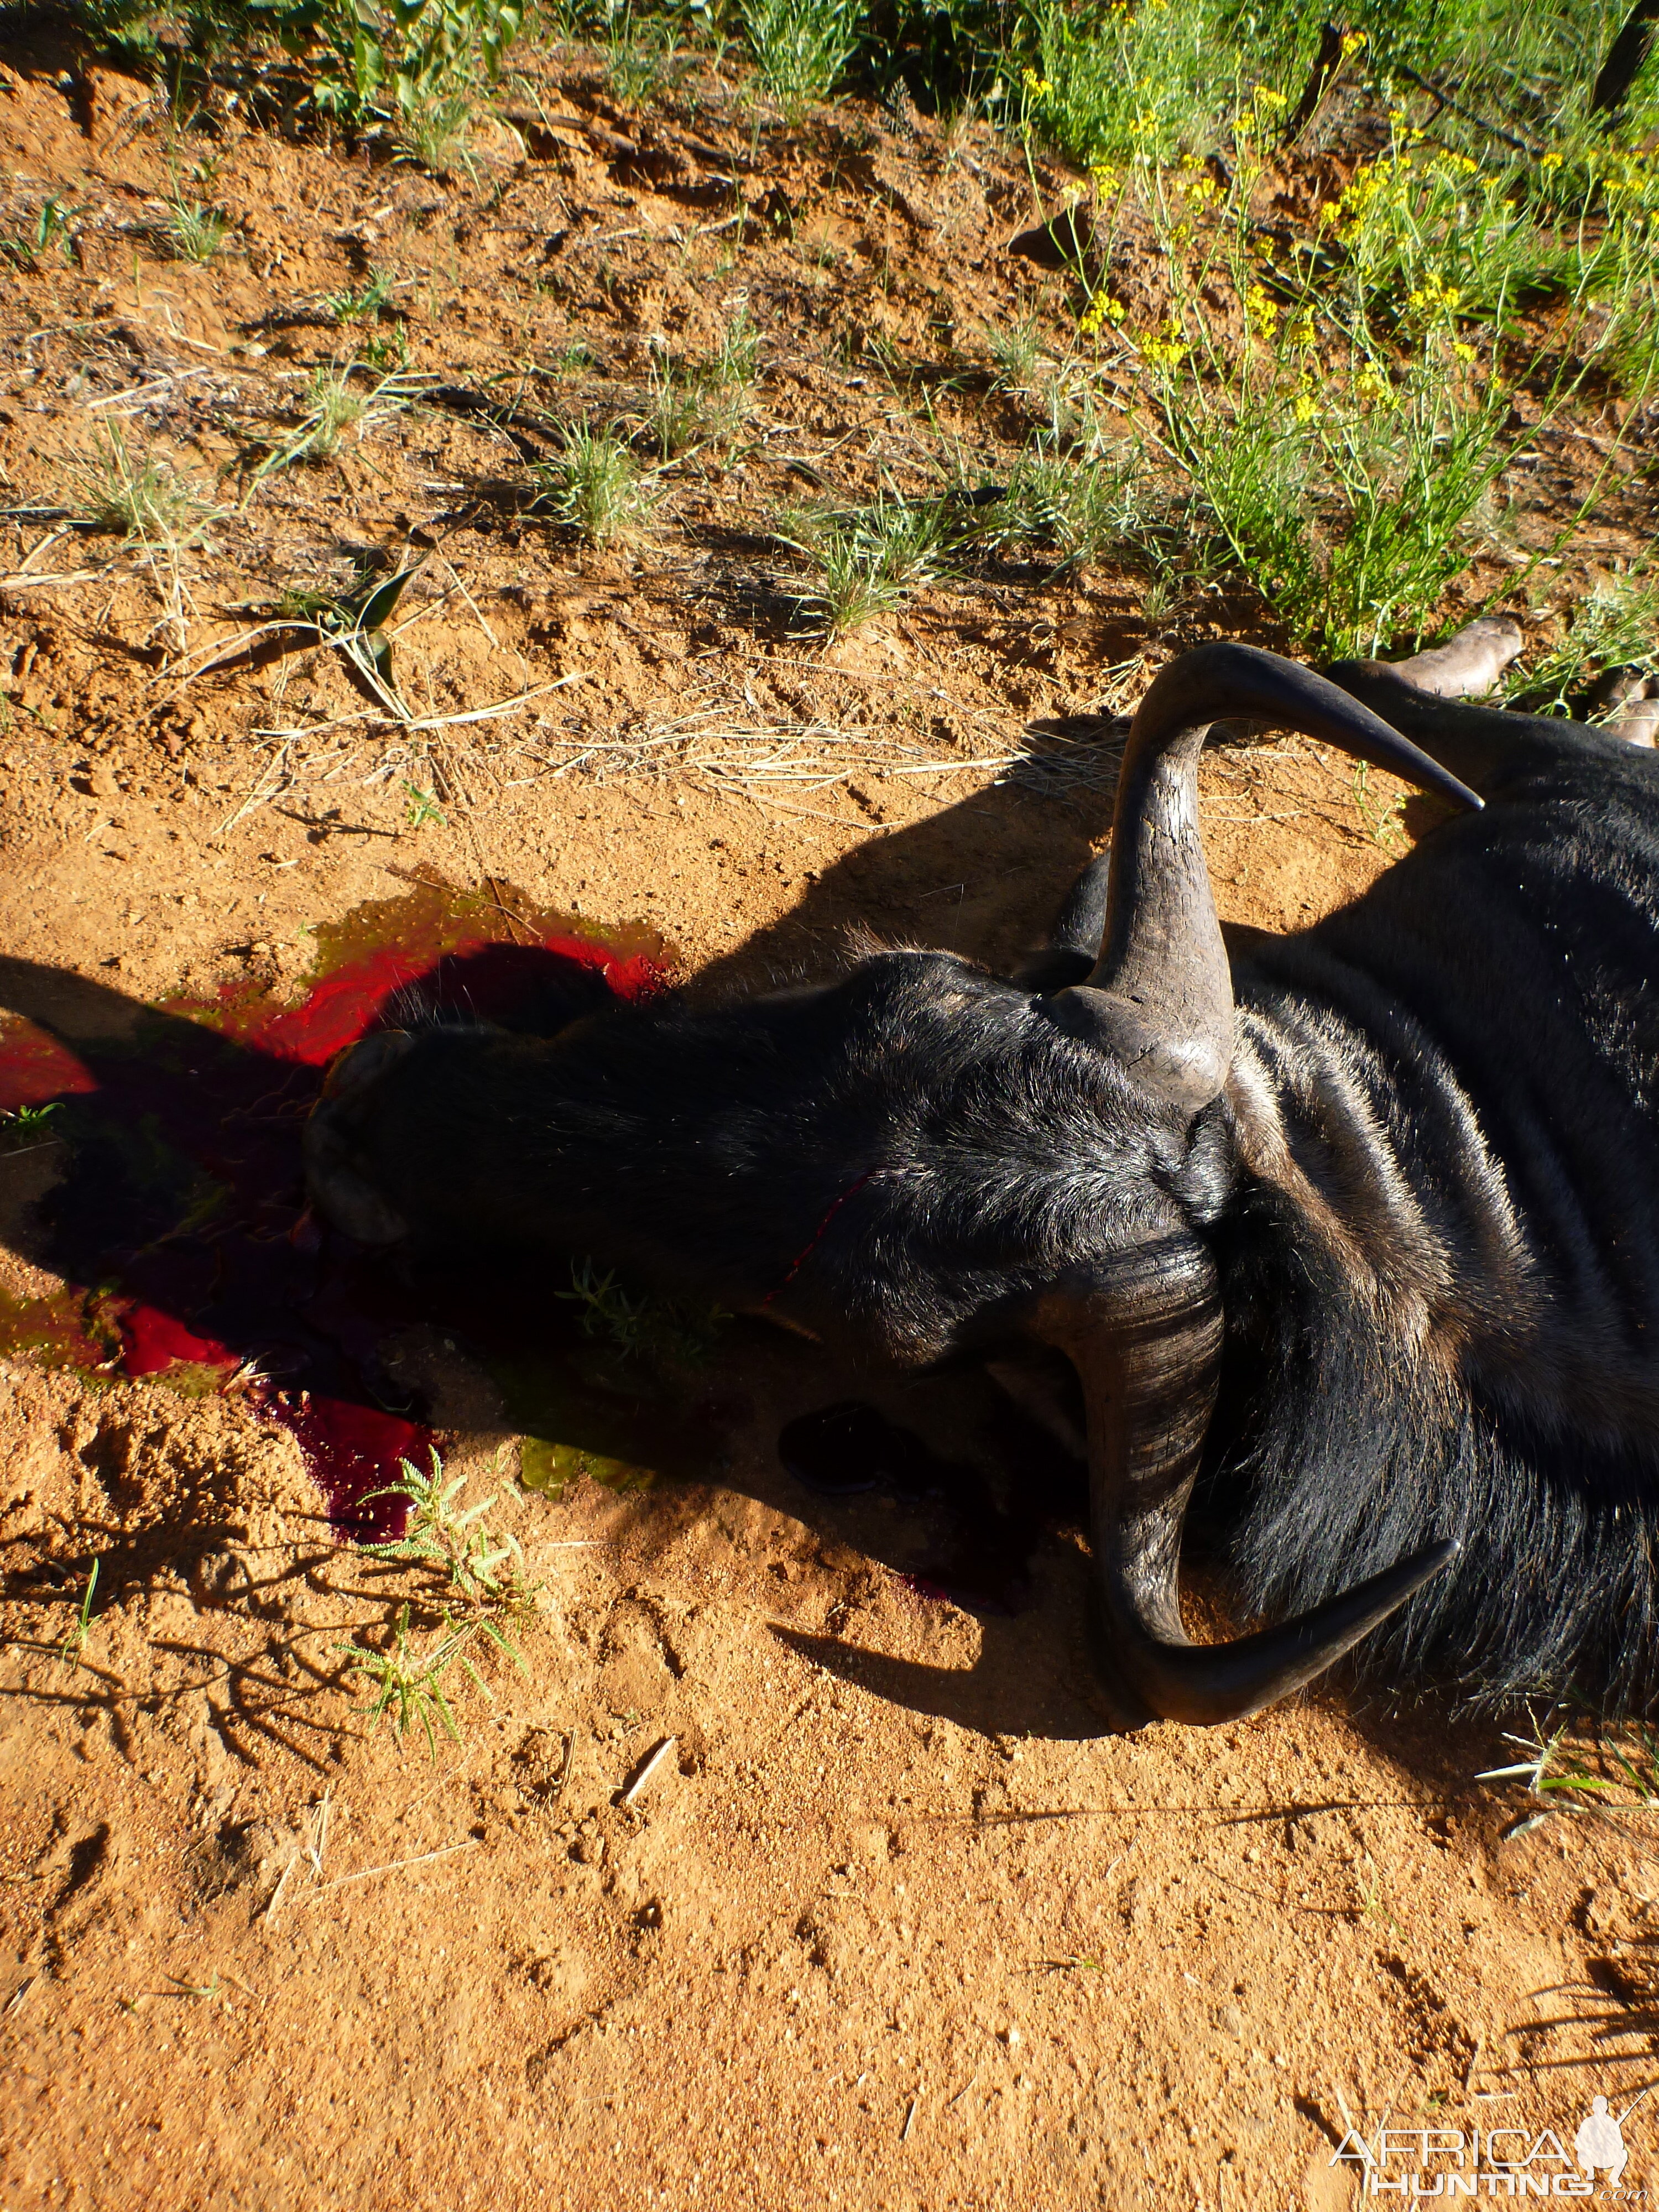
(349, 305)
(483, 1570)
(27, 1128)
(607, 1309)
(575, 359)
(1383, 821)
(1372, 1904)
(194, 232)
(422, 808)
(1561, 1787)
(410, 1683)
(28, 248)
(385, 352)
(209, 1991)
(640, 1326)
(75, 1642)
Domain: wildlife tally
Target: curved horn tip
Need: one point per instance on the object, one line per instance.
(1206, 1686)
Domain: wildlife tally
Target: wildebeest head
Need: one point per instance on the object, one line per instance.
(923, 1159)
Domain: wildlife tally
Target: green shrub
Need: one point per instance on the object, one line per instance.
(365, 60)
(1346, 500)
(1116, 85)
(800, 48)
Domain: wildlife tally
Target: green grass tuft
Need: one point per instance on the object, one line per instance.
(119, 490)
(595, 486)
(868, 561)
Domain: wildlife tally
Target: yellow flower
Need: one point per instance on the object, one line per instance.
(1260, 309)
(1463, 352)
(1167, 350)
(1301, 332)
(1102, 309)
(1434, 296)
(1305, 406)
(1352, 42)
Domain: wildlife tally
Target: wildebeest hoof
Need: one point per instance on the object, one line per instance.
(339, 1189)
(1469, 663)
(1625, 701)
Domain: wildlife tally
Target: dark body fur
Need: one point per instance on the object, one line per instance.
(1461, 1065)
(1430, 1186)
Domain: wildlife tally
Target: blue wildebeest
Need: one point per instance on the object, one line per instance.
(1363, 1224)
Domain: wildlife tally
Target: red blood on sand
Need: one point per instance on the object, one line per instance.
(247, 1268)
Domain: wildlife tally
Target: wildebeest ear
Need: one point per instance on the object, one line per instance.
(340, 1192)
(1073, 945)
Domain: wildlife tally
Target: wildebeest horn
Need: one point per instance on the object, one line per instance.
(1146, 1348)
(1160, 999)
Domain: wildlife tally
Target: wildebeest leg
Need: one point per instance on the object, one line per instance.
(1490, 749)
(1625, 701)
(1073, 944)
(1469, 663)
(1632, 696)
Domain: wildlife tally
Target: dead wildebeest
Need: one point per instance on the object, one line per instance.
(1365, 1224)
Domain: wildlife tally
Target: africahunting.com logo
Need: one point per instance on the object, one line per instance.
(1499, 2161)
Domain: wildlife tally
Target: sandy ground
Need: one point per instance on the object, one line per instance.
(891, 1924)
